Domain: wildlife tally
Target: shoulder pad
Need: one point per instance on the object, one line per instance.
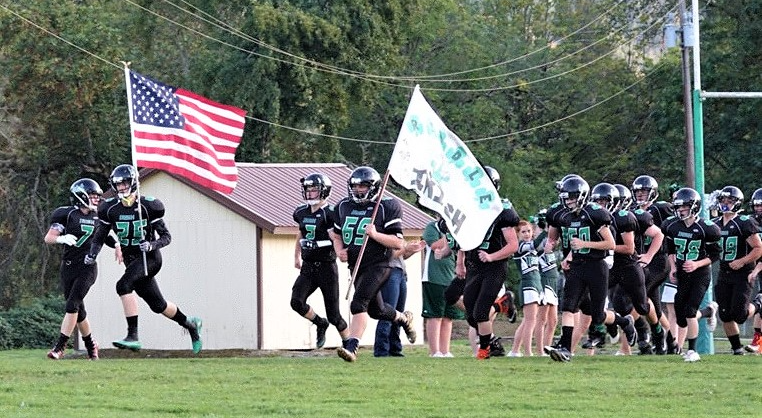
(595, 206)
(330, 207)
(110, 199)
(622, 213)
(745, 217)
(555, 205)
(638, 211)
(149, 198)
(708, 222)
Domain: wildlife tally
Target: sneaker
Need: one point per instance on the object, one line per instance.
(348, 350)
(711, 320)
(691, 356)
(738, 351)
(194, 329)
(407, 325)
(130, 343)
(507, 306)
(512, 354)
(496, 348)
(321, 329)
(630, 332)
(92, 352)
(437, 355)
(560, 354)
(56, 354)
(594, 340)
(753, 347)
(660, 346)
(483, 354)
(645, 348)
(613, 332)
(447, 355)
(620, 353)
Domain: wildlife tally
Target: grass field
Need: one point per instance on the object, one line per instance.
(319, 384)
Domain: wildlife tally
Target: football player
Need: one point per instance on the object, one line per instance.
(315, 257)
(741, 248)
(137, 224)
(73, 226)
(755, 346)
(692, 246)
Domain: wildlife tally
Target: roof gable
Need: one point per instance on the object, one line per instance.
(267, 194)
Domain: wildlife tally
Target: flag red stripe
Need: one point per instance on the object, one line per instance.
(204, 165)
(190, 175)
(185, 142)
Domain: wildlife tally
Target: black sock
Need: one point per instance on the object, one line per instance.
(61, 343)
(735, 341)
(88, 340)
(484, 340)
(321, 322)
(656, 329)
(692, 344)
(566, 337)
(758, 330)
(180, 318)
(132, 326)
(621, 320)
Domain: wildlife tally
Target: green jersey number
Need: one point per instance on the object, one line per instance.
(88, 230)
(729, 248)
(310, 231)
(687, 250)
(123, 231)
(353, 230)
(581, 233)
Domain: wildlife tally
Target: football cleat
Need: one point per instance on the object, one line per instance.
(711, 320)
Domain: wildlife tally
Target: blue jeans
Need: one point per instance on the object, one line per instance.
(394, 292)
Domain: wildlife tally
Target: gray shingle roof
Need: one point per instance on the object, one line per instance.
(267, 194)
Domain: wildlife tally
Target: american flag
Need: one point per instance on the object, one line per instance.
(183, 133)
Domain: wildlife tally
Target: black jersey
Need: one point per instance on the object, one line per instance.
(733, 235)
(660, 211)
(129, 227)
(69, 220)
(623, 221)
(493, 239)
(350, 221)
(645, 220)
(584, 225)
(554, 217)
(316, 244)
(696, 242)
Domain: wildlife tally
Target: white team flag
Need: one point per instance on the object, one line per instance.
(433, 161)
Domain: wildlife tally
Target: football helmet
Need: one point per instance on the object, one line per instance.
(645, 183)
(319, 180)
(625, 197)
(574, 188)
(366, 176)
(756, 200)
(566, 177)
(605, 191)
(686, 197)
(735, 194)
(81, 191)
(124, 173)
(493, 175)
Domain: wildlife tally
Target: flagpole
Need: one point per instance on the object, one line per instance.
(134, 162)
(365, 238)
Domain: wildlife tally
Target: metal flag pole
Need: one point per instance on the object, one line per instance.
(365, 238)
(135, 163)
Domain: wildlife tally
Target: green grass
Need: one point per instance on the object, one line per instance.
(322, 385)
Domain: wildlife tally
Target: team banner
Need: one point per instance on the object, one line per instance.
(183, 133)
(433, 161)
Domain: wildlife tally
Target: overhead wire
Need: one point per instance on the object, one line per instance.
(96, 56)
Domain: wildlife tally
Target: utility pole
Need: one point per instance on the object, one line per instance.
(686, 32)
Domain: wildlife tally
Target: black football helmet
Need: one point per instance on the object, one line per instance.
(686, 197)
(566, 177)
(574, 188)
(605, 191)
(81, 191)
(319, 180)
(124, 173)
(756, 200)
(733, 193)
(645, 183)
(493, 175)
(367, 176)
(625, 197)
